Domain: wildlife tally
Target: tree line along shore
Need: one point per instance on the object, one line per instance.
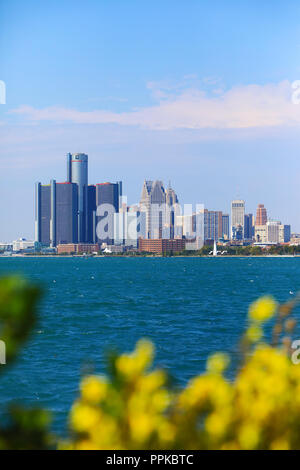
(205, 251)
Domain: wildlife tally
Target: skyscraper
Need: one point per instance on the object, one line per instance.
(213, 227)
(66, 210)
(171, 196)
(42, 213)
(153, 200)
(171, 211)
(225, 226)
(120, 189)
(237, 219)
(261, 215)
(129, 226)
(272, 231)
(284, 233)
(77, 172)
(56, 213)
(91, 214)
(260, 234)
(107, 204)
(249, 227)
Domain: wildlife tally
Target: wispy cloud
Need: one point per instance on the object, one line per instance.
(242, 107)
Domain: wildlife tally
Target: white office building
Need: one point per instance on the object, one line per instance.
(237, 219)
(22, 244)
(272, 230)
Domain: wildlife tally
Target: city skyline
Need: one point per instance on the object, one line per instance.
(81, 180)
(76, 212)
(213, 113)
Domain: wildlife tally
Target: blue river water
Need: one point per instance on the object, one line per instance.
(189, 307)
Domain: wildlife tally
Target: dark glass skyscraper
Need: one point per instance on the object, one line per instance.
(225, 226)
(66, 219)
(45, 213)
(91, 216)
(249, 227)
(56, 218)
(67, 212)
(107, 203)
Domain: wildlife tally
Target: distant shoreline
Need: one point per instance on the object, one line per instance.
(146, 256)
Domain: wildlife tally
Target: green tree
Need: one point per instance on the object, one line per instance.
(25, 428)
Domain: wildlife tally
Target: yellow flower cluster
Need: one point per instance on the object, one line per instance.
(137, 409)
(262, 309)
(127, 412)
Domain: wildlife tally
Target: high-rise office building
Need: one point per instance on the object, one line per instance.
(213, 225)
(56, 213)
(237, 219)
(225, 226)
(129, 226)
(260, 234)
(66, 220)
(171, 211)
(191, 227)
(107, 204)
(261, 215)
(42, 213)
(248, 227)
(45, 213)
(272, 231)
(171, 197)
(284, 233)
(108, 193)
(153, 202)
(185, 226)
(77, 172)
(61, 209)
(91, 213)
(120, 189)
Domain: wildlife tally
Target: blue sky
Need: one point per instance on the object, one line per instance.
(196, 92)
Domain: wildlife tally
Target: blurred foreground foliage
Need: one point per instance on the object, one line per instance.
(22, 428)
(135, 407)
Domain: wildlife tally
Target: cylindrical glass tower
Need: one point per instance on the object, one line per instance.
(77, 172)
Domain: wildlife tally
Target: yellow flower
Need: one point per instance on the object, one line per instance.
(83, 417)
(93, 389)
(126, 365)
(197, 392)
(263, 308)
(260, 408)
(217, 363)
(144, 353)
(160, 400)
(110, 436)
(166, 432)
(280, 444)
(216, 424)
(248, 437)
(86, 444)
(254, 333)
(231, 445)
(150, 382)
(131, 365)
(141, 426)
